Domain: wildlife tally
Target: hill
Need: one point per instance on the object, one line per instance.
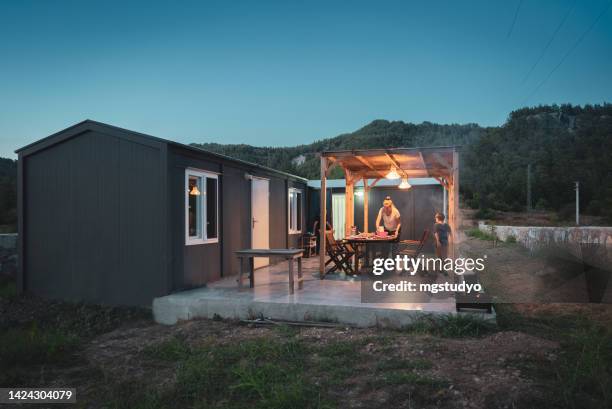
(562, 144)
(303, 160)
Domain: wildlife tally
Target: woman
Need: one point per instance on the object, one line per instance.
(390, 217)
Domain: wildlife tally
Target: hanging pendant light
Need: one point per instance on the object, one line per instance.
(393, 173)
(194, 191)
(404, 184)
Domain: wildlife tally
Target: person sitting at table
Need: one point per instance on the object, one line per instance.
(390, 217)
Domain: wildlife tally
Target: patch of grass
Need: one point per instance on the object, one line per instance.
(33, 346)
(582, 374)
(511, 239)
(8, 289)
(259, 373)
(173, 349)
(136, 395)
(452, 325)
(479, 234)
(287, 331)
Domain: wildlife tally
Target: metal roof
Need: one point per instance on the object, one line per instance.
(88, 123)
(409, 162)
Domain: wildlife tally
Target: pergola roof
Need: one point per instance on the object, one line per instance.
(410, 162)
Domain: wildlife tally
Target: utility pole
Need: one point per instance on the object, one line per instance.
(529, 187)
(577, 188)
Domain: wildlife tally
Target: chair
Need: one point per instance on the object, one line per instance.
(309, 244)
(413, 248)
(339, 254)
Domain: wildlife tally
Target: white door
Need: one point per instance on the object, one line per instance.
(338, 216)
(260, 218)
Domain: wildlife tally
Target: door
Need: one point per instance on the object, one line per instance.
(260, 218)
(338, 216)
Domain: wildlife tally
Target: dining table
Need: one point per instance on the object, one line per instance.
(364, 240)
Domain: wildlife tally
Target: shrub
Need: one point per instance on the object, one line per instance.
(542, 204)
(485, 213)
(510, 239)
(33, 346)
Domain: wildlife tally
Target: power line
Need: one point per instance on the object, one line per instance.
(567, 54)
(514, 19)
(549, 42)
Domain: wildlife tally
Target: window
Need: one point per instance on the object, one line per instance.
(295, 211)
(201, 207)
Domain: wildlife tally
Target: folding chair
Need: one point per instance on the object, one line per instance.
(413, 248)
(339, 254)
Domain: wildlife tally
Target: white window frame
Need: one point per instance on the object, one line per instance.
(289, 221)
(190, 241)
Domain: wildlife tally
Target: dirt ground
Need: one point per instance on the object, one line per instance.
(477, 373)
(490, 371)
(539, 355)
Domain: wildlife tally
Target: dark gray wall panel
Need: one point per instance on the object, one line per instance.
(278, 213)
(417, 207)
(92, 221)
(193, 265)
(236, 199)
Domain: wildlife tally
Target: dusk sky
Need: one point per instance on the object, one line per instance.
(285, 73)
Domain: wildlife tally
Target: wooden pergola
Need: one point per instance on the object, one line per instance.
(372, 165)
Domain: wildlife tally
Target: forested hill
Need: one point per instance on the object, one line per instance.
(562, 144)
(302, 160)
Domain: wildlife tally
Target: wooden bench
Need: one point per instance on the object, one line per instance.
(287, 254)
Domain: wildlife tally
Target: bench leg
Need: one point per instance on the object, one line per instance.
(240, 272)
(251, 272)
(291, 287)
(300, 276)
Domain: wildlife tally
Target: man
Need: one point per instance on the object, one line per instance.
(390, 217)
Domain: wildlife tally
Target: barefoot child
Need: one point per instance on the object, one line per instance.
(442, 232)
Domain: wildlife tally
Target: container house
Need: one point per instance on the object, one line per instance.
(112, 216)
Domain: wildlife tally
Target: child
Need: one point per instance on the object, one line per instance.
(442, 232)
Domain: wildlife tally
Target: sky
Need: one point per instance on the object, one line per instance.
(284, 73)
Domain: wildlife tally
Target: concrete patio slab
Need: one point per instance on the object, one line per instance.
(330, 300)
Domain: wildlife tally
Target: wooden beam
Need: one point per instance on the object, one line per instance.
(369, 165)
(442, 181)
(374, 182)
(323, 216)
(396, 163)
(422, 160)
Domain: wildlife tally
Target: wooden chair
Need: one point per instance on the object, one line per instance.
(339, 254)
(413, 248)
(309, 244)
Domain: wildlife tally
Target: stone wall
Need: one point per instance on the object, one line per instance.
(534, 237)
(8, 255)
(590, 244)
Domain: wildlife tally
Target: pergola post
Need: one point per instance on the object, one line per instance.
(349, 198)
(453, 202)
(323, 215)
(366, 199)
